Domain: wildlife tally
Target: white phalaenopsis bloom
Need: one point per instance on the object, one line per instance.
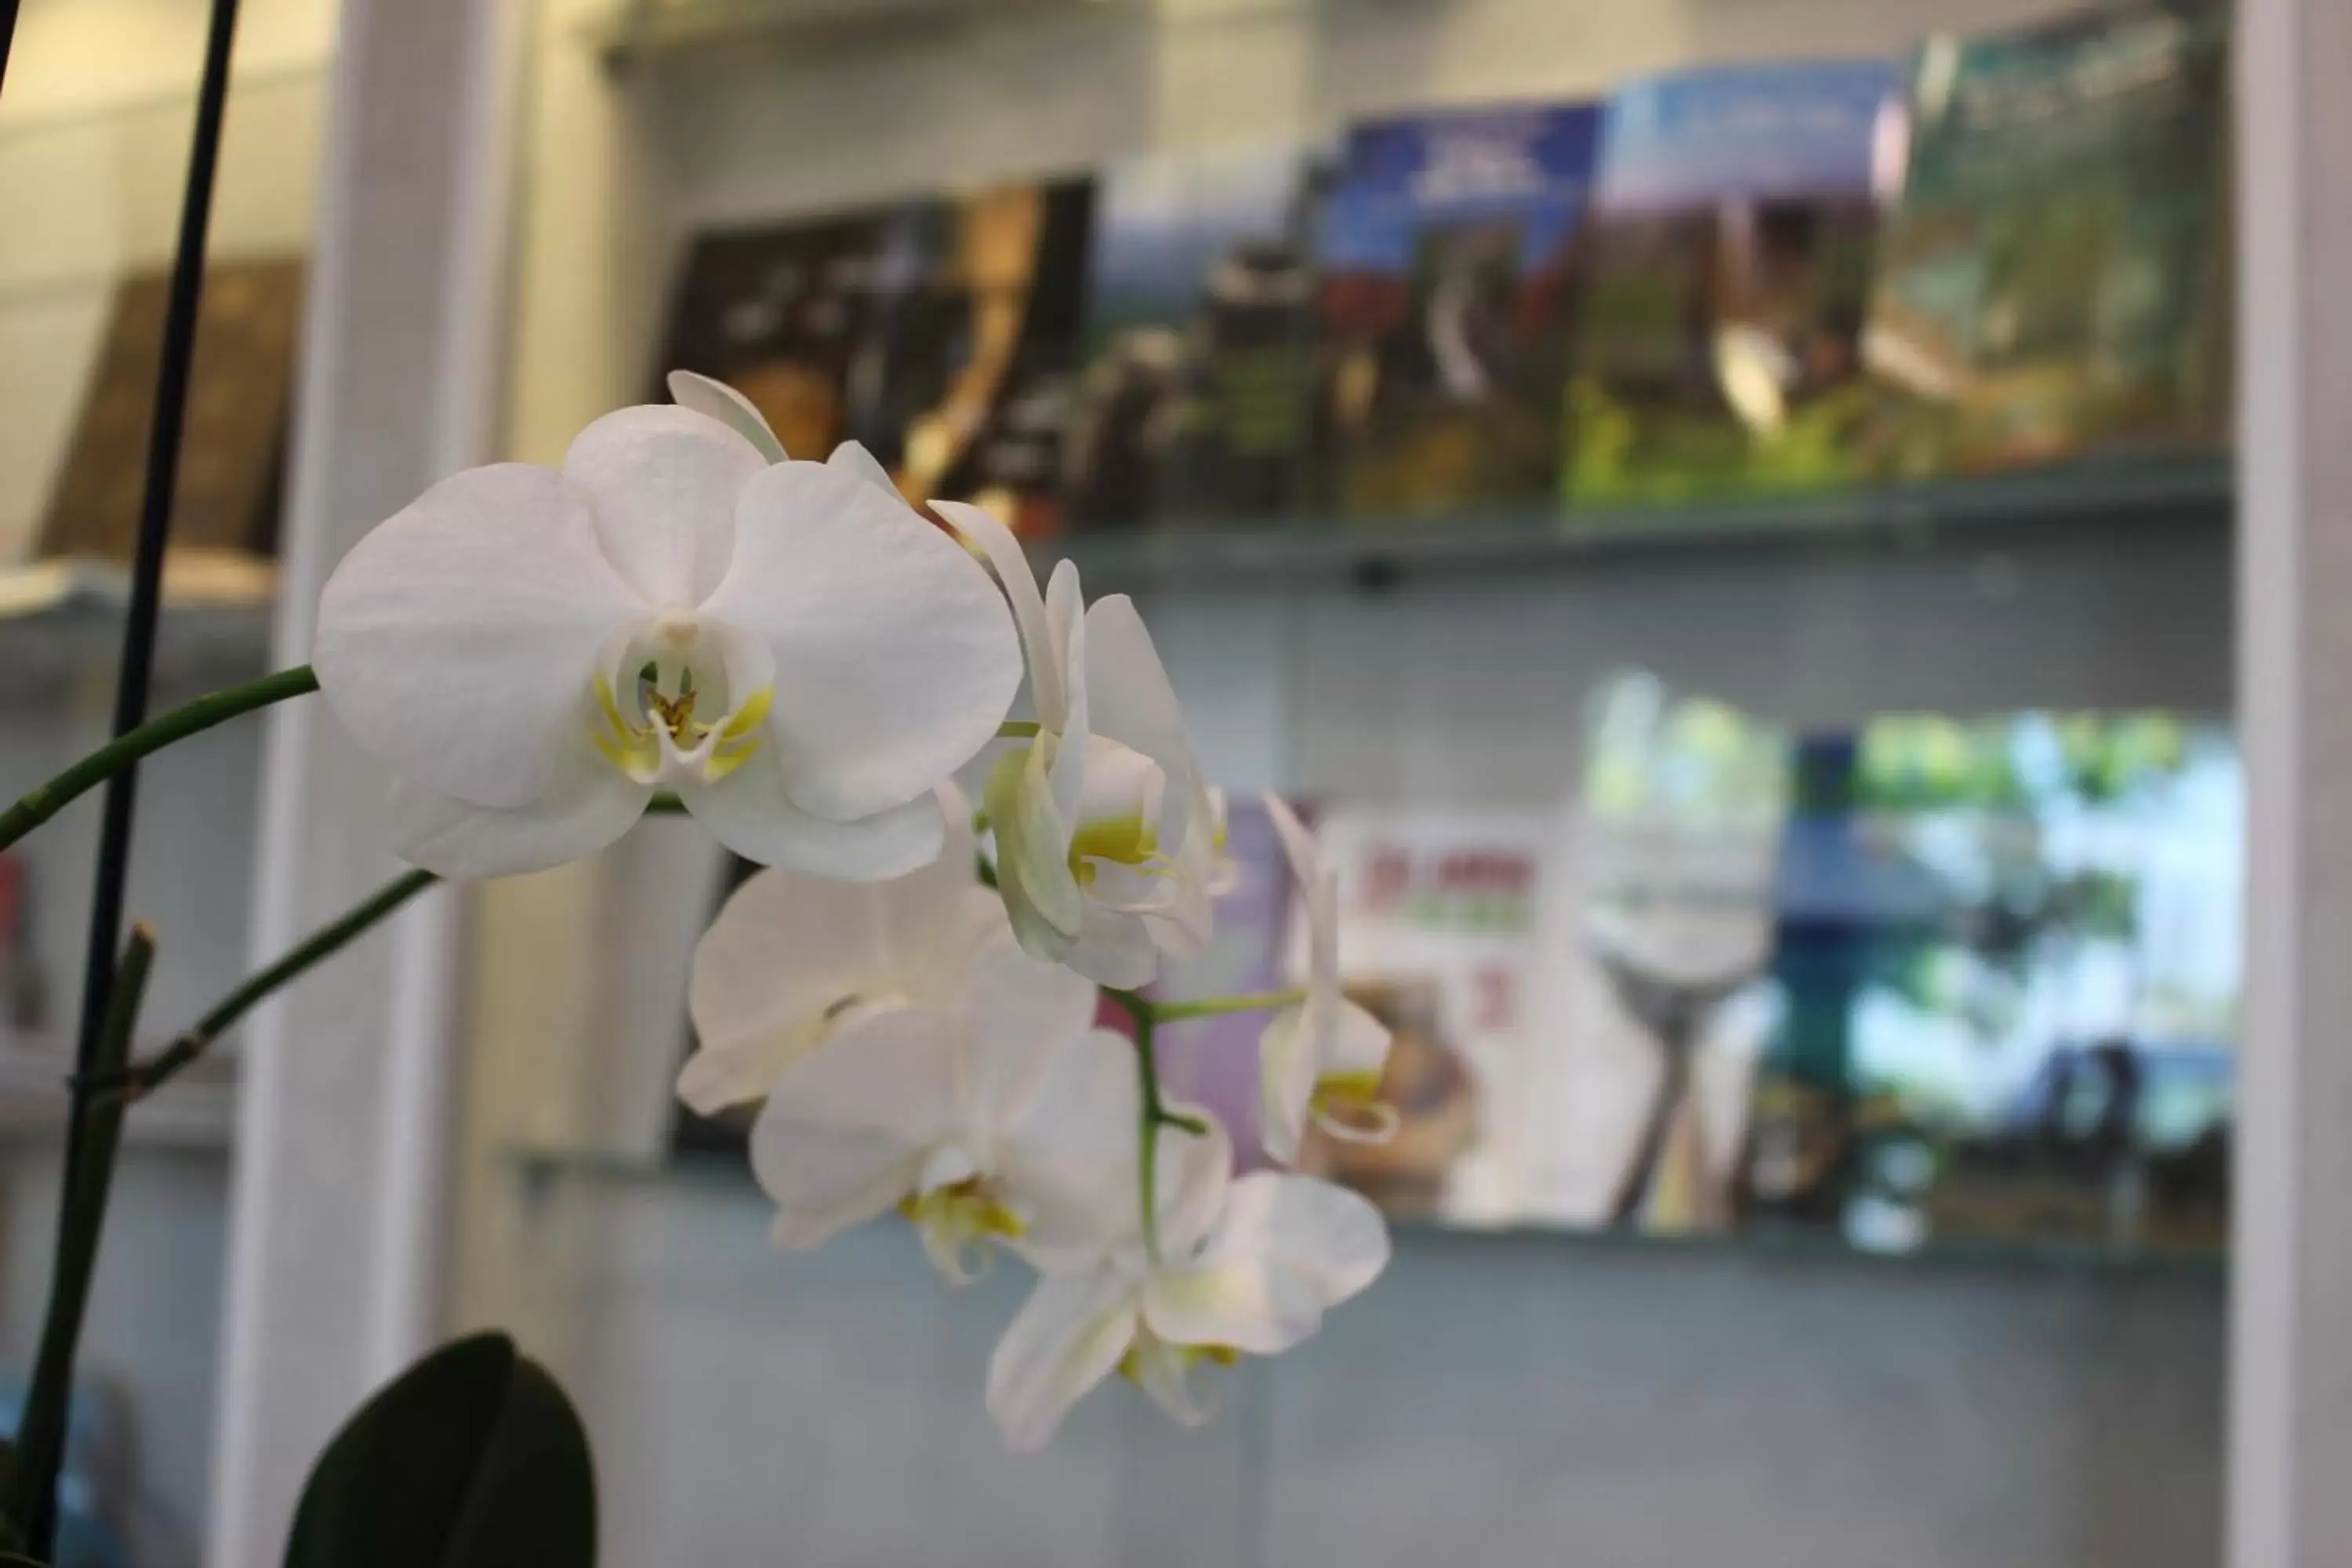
(1003, 1115)
(792, 957)
(1243, 1266)
(1322, 1057)
(788, 647)
(1106, 833)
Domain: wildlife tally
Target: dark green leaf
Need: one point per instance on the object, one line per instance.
(472, 1458)
(11, 1538)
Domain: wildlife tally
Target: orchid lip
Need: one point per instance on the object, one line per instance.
(960, 1222)
(671, 673)
(1130, 1365)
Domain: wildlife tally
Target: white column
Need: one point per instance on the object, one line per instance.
(2291, 1374)
(339, 1209)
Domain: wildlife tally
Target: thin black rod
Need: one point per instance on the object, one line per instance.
(48, 1400)
(7, 32)
(147, 565)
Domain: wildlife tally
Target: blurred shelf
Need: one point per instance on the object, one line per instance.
(728, 1177)
(2054, 507)
(643, 30)
(195, 1112)
(648, 29)
(59, 617)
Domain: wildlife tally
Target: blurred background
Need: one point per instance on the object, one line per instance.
(1720, 510)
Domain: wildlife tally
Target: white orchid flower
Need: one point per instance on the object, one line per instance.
(793, 956)
(999, 1117)
(1321, 1059)
(533, 653)
(1245, 1267)
(1105, 828)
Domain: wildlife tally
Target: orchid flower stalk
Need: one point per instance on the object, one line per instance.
(684, 618)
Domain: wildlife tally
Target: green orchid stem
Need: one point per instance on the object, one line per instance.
(48, 799)
(1216, 1006)
(1155, 1114)
(127, 1083)
(1147, 1173)
(41, 1434)
(1016, 730)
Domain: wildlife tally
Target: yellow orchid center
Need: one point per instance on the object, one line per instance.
(1119, 817)
(1130, 1365)
(1126, 840)
(1347, 1088)
(963, 1212)
(1349, 1106)
(653, 731)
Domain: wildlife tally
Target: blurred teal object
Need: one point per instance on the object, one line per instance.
(95, 1487)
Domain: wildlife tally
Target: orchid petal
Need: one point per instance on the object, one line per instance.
(751, 813)
(1323, 932)
(788, 950)
(1075, 1142)
(1286, 1073)
(1332, 1239)
(1224, 872)
(716, 400)
(1194, 1171)
(1283, 1249)
(1164, 1373)
(663, 484)
(1066, 612)
(1130, 890)
(1074, 741)
(847, 1130)
(455, 640)
(852, 457)
(1298, 846)
(1245, 1303)
(1033, 848)
(1202, 873)
(1133, 703)
(983, 532)
(896, 660)
(1115, 948)
(1120, 790)
(1355, 1043)
(1066, 1339)
(827, 1179)
(1024, 1016)
(589, 807)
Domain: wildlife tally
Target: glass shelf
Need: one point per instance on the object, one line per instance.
(726, 1176)
(649, 29)
(62, 617)
(196, 1111)
(2014, 511)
